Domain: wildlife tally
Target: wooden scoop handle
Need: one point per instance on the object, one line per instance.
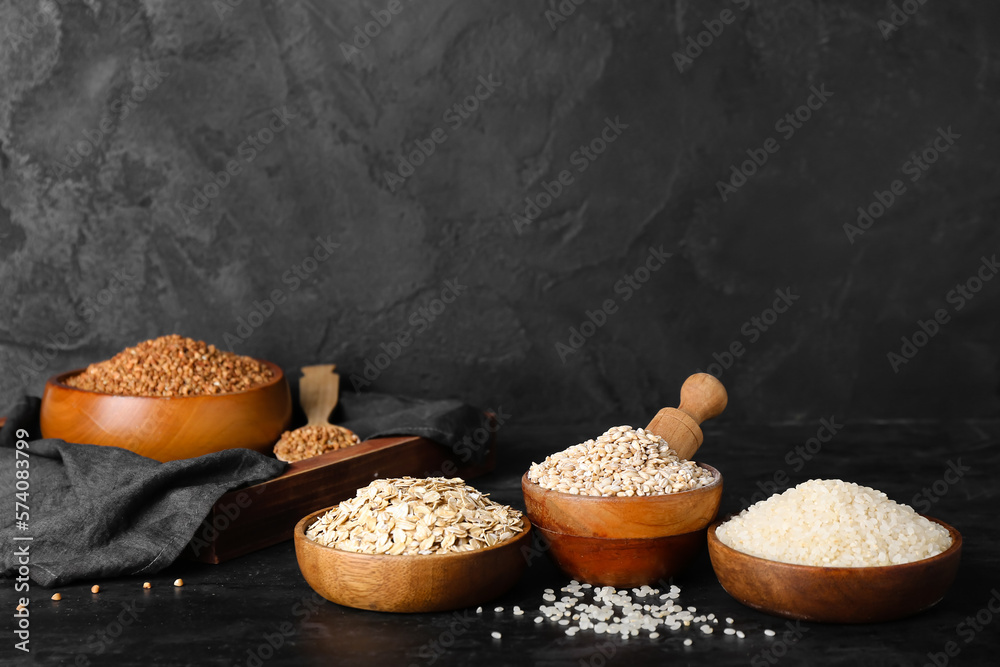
(319, 391)
(702, 397)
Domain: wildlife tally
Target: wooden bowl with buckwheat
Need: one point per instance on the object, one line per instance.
(168, 427)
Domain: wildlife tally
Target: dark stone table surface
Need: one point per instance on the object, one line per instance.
(232, 614)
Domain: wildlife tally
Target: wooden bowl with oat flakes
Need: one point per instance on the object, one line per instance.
(170, 398)
(409, 582)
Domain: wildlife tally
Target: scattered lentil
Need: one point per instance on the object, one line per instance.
(95, 589)
(178, 582)
(172, 366)
(57, 596)
(146, 584)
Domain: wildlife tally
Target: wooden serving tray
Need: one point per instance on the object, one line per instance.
(265, 514)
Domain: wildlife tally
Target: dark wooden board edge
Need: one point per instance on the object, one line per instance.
(259, 516)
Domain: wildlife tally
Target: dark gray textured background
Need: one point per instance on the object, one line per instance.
(68, 226)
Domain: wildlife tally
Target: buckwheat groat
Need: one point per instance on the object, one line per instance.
(310, 441)
(172, 366)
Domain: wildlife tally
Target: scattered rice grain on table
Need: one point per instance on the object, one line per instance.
(172, 366)
(409, 516)
(621, 462)
(832, 523)
(605, 610)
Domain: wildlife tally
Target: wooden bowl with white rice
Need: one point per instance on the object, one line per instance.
(835, 552)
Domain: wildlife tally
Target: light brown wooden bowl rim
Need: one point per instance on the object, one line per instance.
(956, 545)
(58, 380)
(300, 534)
(661, 497)
(618, 539)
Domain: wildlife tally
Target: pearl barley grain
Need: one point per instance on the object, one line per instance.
(620, 462)
(496, 635)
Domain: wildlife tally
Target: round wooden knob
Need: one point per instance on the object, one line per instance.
(703, 397)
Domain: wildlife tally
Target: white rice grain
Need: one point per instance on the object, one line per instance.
(832, 523)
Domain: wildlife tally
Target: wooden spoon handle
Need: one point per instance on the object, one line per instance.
(702, 397)
(319, 391)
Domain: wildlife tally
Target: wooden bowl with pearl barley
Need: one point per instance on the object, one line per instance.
(634, 540)
(623, 541)
(835, 594)
(410, 583)
(168, 428)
